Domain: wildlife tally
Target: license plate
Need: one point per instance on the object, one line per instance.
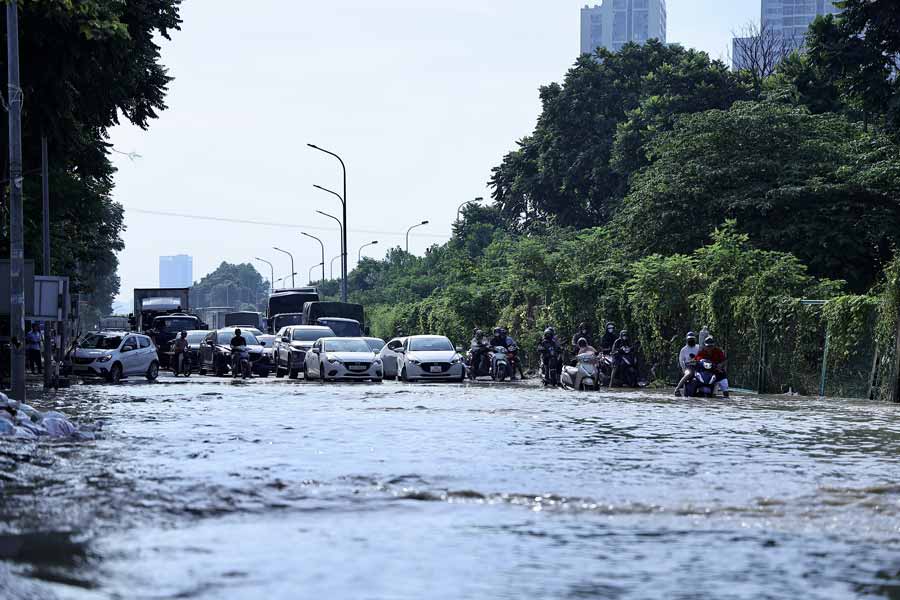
(357, 368)
(436, 370)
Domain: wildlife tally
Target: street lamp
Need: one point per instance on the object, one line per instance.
(321, 243)
(284, 279)
(466, 203)
(359, 258)
(410, 229)
(293, 282)
(332, 265)
(313, 268)
(343, 225)
(272, 276)
(344, 235)
(341, 228)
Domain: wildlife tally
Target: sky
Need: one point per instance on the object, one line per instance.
(421, 98)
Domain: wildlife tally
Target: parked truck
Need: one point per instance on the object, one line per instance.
(150, 303)
(289, 301)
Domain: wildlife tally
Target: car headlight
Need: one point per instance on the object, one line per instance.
(336, 361)
(455, 361)
(414, 361)
(377, 362)
(105, 358)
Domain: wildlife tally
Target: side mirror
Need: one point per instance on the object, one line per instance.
(127, 348)
(401, 350)
(261, 343)
(459, 349)
(286, 339)
(316, 351)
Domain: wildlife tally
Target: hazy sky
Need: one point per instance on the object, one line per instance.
(421, 98)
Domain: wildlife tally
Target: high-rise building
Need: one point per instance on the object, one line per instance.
(176, 271)
(786, 21)
(614, 23)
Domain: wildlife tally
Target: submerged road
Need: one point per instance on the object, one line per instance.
(215, 489)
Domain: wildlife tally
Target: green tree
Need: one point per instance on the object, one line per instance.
(238, 286)
(817, 186)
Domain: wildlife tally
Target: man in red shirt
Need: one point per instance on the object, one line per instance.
(719, 360)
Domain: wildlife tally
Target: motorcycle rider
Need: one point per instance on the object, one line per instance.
(237, 342)
(179, 351)
(549, 346)
(584, 331)
(499, 339)
(510, 343)
(717, 357)
(688, 354)
(609, 338)
(583, 347)
(479, 351)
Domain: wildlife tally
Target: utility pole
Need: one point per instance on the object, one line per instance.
(45, 184)
(16, 235)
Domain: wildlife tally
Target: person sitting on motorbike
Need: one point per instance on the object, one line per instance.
(238, 341)
(717, 357)
(479, 350)
(499, 339)
(179, 352)
(511, 342)
(549, 346)
(688, 354)
(623, 341)
(584, 331)
(583, 347)
(609, 338)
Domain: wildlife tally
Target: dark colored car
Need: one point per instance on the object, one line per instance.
(215, 353)
(165, 329)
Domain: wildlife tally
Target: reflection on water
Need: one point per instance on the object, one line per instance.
(211, 489)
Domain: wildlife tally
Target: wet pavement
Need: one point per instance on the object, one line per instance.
(209, 488)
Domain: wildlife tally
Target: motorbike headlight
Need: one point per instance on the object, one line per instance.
(105, 358)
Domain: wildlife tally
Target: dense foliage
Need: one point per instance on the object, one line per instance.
(240, 287)
(84, 64)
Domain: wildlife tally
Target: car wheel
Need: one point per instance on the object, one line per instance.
(115, 374)
(202, 371)
(321, 373)
(153, 371)
(403, 375)
(264, 374)
(377, 381)
(220, 368)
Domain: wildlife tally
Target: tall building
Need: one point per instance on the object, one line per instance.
(787, 20)
(614, 23)
(176, 271)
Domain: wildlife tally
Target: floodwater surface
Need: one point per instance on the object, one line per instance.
(210, 489)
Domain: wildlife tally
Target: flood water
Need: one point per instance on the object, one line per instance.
(212, 489)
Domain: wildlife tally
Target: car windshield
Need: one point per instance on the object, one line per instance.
(175, 324)
(343, 328)
(225, 338)
(346, 346)
(311, 335)
(196, 337)
(285, 320)
(375, 344)
(101, 342)
(436, 344)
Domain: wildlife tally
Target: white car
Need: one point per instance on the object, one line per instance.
(334, 358)
(389, 355)
(115, 355)
(429, 357)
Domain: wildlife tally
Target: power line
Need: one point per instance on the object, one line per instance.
(163, 213)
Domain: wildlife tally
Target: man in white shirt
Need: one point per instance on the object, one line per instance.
(691, 350)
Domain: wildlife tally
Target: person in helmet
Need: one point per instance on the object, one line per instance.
(511, 343)
(718, 358)
(609, 338)
(584, 331)
(499, 338)
(179, 352)
(479, 352)
(583, 347)
(550, 351)
(688, 354)
(624, 340)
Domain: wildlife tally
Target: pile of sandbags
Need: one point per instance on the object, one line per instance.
(22, 421)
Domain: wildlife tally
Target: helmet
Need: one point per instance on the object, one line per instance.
(504, 331)
(478, 333)
(610, 326)
(582, 326)
(497, 331)
(623, 333)
(237, 332)
(548, 333)
(551, 330)
(184, 334)
(582, 342)
(709, 341)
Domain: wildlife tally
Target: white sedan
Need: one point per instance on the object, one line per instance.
(429, 357)
(348, 359)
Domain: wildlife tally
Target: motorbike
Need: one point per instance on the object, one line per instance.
(624, 368)
(240, 363)
(702, 381)
(512, 353)
(484, 367)
(500, 363)
(583, 376)
(551, 364)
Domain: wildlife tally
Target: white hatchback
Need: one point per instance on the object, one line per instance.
(429, 357)
(334, 358)
(115, 355)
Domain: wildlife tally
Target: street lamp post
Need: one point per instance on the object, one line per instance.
(343, 227)
(359, 257)
(321, 243)
(272, 273)
(466, 203)
(344, 235)
(332, 265)
(293, 281)
(410, 229)
(313, 268)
